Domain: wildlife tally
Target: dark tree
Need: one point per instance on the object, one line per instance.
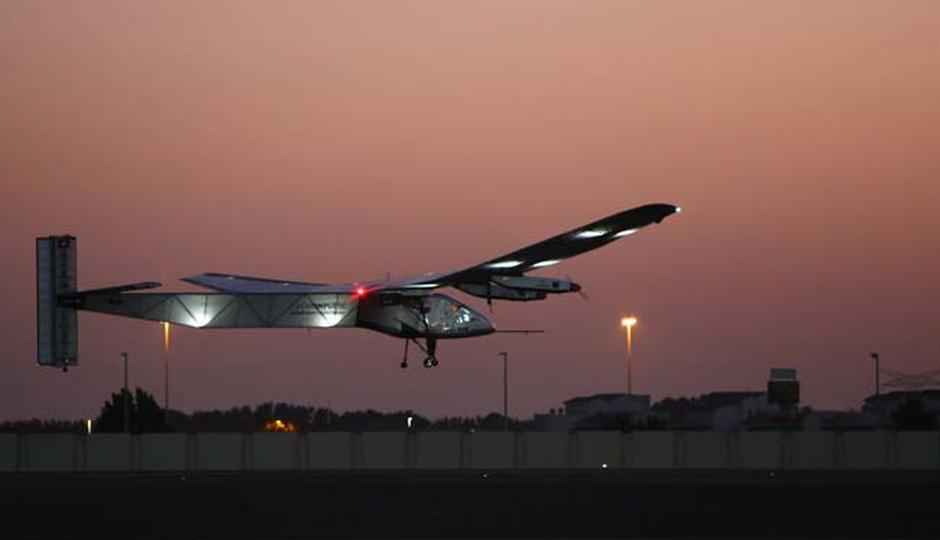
(111, 418)
(145, 415)
(150, 417)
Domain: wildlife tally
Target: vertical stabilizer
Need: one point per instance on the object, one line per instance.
(56, 326)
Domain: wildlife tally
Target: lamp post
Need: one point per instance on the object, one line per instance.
(629, 323)
(505, 356)
(166, 367)
(125, 397)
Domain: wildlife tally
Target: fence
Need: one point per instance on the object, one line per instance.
(335, 451)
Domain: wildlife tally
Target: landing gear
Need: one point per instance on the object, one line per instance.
(430, 360)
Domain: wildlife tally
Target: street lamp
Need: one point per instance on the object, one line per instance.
(629, 323)
(166, 367)
(505, 356)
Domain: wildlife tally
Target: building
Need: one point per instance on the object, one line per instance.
(578, 411)
(839, 421)
(730, 410)
(633, 404)
(553, 421)
(783, 388)
(720, 411)
(884, 406)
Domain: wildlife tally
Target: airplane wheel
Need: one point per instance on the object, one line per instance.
(434, 362)
(404, 365)
(428, 362)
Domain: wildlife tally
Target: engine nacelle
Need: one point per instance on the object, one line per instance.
(496, 291)
(543, 284)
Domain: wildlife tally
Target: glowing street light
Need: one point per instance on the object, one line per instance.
(166, 367)
(629, 323)
(166, 335)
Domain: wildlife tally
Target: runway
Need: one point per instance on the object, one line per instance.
(534, 504)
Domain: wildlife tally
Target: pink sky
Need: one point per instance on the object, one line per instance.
(334, 141)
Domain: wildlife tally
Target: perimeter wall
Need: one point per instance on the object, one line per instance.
(334, 451)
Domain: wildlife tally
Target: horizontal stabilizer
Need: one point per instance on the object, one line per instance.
(143, 285)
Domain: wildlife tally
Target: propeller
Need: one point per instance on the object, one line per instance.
(578, 289)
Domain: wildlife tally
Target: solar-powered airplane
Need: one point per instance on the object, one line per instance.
(406, 308)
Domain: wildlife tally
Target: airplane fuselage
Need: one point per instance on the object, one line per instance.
(400, 315)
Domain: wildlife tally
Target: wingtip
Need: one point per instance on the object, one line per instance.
(664, 210)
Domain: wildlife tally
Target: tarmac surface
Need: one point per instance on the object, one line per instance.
(464, 504)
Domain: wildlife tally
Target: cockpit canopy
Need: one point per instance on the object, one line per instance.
(425, 315)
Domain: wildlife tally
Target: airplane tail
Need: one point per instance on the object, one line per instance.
(56, 324)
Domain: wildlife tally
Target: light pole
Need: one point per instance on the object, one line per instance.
(125, 396)
(877, 373)
(166, 367)
(629, 323)
(505, 356)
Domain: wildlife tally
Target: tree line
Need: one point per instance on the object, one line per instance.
(144, 415)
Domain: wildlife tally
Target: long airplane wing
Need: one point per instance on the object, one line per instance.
(555, 249)
(540, 255)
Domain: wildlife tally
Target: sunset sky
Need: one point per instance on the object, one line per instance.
(336, 141)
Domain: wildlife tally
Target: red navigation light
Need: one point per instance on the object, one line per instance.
(360, 291)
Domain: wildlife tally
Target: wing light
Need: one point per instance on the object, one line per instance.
(627, 232)
(505, 264)
(360, 292)
(543, 264)
(200, 318)
(591, 233)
